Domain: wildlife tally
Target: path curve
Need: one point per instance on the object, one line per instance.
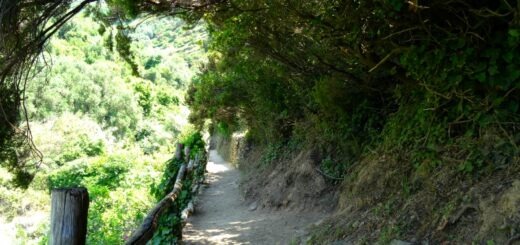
(223, 217)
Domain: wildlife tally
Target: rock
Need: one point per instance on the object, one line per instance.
(355, 224)
(253, 206)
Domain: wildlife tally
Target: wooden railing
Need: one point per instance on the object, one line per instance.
(147, 229)
(70, 205)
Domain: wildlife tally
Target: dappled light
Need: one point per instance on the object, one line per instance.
(223, 217)
(329, 122)
(217, 168)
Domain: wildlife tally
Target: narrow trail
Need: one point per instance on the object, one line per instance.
(222, 215)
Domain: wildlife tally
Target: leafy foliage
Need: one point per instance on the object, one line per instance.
(105, 173)
(425, 81)
(20, 58)
(116, 202)
(171, 219)
(100, 126)
(350, 76)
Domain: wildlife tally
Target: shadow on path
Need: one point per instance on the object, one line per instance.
(223, 217)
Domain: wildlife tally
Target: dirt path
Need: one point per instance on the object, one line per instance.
(223, 217)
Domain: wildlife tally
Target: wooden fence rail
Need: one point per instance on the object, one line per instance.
(147, 229)
(145, 232)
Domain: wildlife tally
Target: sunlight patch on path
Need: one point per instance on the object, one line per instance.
(213, 167)
(222, 216)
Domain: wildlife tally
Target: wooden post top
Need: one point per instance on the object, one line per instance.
(69, 214)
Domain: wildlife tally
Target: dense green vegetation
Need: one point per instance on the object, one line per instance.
(154, 71)
(433, 84)
(170, 224)
(99, 125)
(354, 76)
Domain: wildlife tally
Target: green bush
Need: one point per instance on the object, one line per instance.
(80, 147)
(379, 77)
(195, 142)
(91, 109)
(103, 172)
(170, 220)
(117, 203)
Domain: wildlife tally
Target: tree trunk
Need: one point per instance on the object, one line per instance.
(69, 213)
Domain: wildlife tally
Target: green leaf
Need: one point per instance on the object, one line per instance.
(508, 57)
(513, 106)
(397, 4)
(485, 120)
(481, 77)
(498, 101)
(514, 32)
(468, 167)
(493, 70)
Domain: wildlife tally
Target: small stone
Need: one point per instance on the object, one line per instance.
(253, 206)
(355, 224)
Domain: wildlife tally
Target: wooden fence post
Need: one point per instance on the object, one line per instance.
(69, 213)
(178, 151)
(187, 151)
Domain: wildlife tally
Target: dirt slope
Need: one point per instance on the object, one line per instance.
(222, 215)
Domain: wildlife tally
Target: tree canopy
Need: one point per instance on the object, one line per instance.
(25, 30)
(101, 126)
(399, 74)
(431, 83)
(423, 78)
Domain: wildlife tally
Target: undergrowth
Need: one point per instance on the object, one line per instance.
(448, 87)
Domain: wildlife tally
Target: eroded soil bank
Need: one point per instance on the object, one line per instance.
(383, 198)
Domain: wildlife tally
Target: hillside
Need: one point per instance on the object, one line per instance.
(100, 126)
(400, 119)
